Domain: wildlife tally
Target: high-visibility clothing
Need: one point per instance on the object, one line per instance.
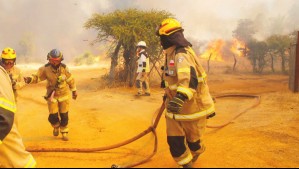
(143, 62)
(183, 73)
(12, 150)
(16, 76)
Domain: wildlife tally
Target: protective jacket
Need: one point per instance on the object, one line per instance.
(59, 80)
(12, 149)
(143, 62)
(17, 79)
(183, 73)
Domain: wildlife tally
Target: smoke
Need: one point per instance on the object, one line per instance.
(49, 24)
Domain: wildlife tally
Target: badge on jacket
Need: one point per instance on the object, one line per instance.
(171, 63)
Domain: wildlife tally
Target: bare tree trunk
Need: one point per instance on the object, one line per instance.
(283, 62)
(235, 62)
(130, 59)
(272, 63)
(114, 62)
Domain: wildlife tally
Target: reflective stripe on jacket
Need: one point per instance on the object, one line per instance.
(183, 73)
(7, 104)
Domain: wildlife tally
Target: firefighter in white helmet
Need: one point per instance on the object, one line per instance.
(60, 81)
(12, 150)
(188, 102)
(142, 80)
(8, 62)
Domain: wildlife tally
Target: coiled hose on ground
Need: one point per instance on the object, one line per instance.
(152, 128)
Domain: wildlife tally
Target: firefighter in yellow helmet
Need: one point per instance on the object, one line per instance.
(8, 62)
(189, 103)
(143, 70)
(12, 150)
(59, 82)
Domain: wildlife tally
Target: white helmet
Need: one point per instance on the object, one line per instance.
(141, 44)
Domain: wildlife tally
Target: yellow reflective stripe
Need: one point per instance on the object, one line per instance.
(70, 78)
(74, 89)
(31, 163)
(184, 70)
(202, 78)
(61, 99)
(186, 91)
(191, 116)
(0, 142)
(186, 160)
(166, 84)
(173, 87)
(8, 105)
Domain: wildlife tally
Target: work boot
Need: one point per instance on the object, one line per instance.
(188, 165)
(147, 94)
(56, 131)
(139, 94)
(65, 137)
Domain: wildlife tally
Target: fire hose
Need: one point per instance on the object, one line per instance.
(152, 128)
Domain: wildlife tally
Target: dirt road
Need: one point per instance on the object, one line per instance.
(266, 136)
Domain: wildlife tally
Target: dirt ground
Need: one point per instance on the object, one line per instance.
(266, 136)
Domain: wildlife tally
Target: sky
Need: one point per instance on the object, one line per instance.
(59, 23)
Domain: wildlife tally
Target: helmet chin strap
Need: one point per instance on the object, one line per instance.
(55, 67)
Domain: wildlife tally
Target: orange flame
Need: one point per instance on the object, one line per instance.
(213, 51)
(238, 47)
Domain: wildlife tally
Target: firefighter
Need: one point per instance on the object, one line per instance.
(12, 149)
(189, 103)
(142, 80)
(8, 62)
(59, 81)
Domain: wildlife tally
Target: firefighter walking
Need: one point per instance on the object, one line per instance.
(142, 80)
(12, 150)
(188, 102)
(59, 82)
(8, 62)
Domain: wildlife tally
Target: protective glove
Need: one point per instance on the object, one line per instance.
(163, 85)
(175, 105)
(75, 95)
(27, 80)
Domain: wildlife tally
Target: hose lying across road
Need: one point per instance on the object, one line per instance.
(150, 129)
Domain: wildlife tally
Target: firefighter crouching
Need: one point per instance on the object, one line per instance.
(8, 62)
(12, 149)
(189, 102)
(59, 82)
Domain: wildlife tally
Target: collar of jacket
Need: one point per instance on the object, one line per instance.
(170, 50)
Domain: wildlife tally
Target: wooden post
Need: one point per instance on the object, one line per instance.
(294, 67)
(297, 66)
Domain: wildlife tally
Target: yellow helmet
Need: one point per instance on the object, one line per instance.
(9, 54)
(169, 26)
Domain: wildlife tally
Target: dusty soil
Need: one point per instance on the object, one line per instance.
(266, 136)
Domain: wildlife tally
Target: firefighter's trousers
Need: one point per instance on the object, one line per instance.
(185, 139)
(59, 108)
(142, 81)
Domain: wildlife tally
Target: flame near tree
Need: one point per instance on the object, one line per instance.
(214, 51)
(238, 48)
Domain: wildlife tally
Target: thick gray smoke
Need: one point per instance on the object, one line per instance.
(48, 24)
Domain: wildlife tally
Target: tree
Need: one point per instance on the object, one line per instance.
(278, 46)
(123, 29)
(257, 55)
(245, 30)
(26, 47)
